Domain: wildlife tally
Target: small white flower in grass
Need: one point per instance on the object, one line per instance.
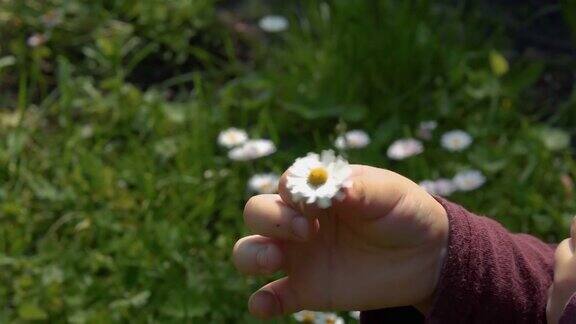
(405, 148)
(309, 317)
(426, 128)
(232, 137)
(456, 140)
(330, 318)
(36, 40)
(445, 187)
(273, 24)
(441, 187)
(86, 131)
(318, 178)
(469, 180)
(429, 186)
(208, 174)
(252, 149)
(355, 315)
(266, 183)
(306, 316)
(354, 139)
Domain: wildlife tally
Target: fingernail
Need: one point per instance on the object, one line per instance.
(263, 304)
(300, 227)
(262, 257)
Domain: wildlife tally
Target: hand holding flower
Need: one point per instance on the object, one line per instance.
(380, 245)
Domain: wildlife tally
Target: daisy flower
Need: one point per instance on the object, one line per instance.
(429, 186)
(86, 131)
(265, 183)
(441, 187)
(354, 139)
(469, 180)
(456, 140)
(445, 187)
(318, 178)
(306, 316)
(330, 318)
(232, 137)
(355, 315)
(426, 128)
(273, 24)
(310, 317)
(208, 174)
(252, 149)
(405, 148)
(36, 40)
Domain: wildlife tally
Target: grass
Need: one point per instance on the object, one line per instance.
(107, 129)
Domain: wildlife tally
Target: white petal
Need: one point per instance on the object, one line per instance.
(327, 157)
(311, 199)
(324, 202)
(340, 196)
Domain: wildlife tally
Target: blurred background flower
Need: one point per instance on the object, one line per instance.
(354, 139)
(232, 137)
(265, 183)
(404, 148)
(456, 140)
(273, 24)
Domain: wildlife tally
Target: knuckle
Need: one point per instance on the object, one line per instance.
(360, 193)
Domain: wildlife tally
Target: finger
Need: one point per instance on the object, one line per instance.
(308, 210)
(563, 254)
(374, 192)
(268, 215)
(256, 254)
(275, 299)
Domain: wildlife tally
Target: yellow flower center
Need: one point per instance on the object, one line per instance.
(318, 176)
(308, 318)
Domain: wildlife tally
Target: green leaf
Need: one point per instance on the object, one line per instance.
(522, 78)
(498, 63)
(138, 300)
(7, 61)
(350, 113)
(31, 312)
(569, 9)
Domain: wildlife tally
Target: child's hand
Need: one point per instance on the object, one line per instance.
(382, 246)
(564, 285)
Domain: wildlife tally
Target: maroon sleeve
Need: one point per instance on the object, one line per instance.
(569, 315)
(489, 275)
